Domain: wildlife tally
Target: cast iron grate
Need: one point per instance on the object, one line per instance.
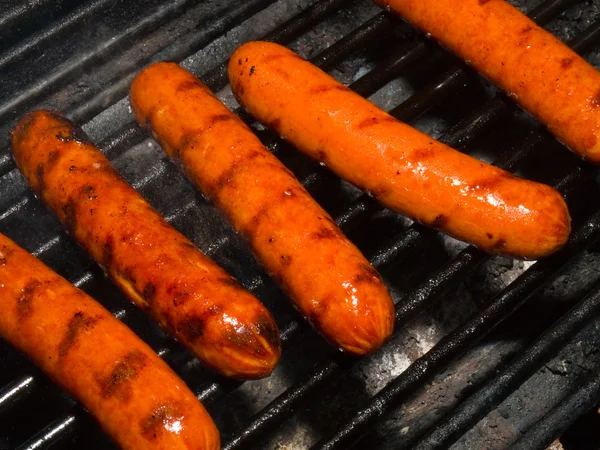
(357, 33)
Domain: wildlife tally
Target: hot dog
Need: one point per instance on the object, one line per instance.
(324, 274)
(401, 167)
(160, 270)
(538, 71)
(134, 395)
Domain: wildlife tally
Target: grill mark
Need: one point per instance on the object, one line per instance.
(488, 184)
(160, 418)
(499, 244)
(239, 90)
(439, 221)
(70, 215)
(420, 154)
(268, 330)
(596, 99)
(325, 233)
(483, 2)
(193, 326)
(565, 63)
(73, 134)
(275, 125)
(328, 87)
(378, 192)
(117, 383)
(245, 340)
(373, 121)
(367, 275)
(189, 84)
(527, 29)
(149, 293)
(40, 178)
(322, 156)
(228, 175)
(78, 323)
(220, 118)
(107, 252)
(270, 58)
(25, 300)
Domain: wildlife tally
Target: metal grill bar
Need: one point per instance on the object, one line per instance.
(513, 375)
(561, 417)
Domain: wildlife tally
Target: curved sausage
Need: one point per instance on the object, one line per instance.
(324, 274)
(401, 167)
(134, 395)
(538, 71)
(160, 270)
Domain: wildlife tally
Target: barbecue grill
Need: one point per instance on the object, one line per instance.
(488, 352)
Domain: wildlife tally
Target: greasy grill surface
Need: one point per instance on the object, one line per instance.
(316, 397)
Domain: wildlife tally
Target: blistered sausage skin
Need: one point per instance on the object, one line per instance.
(537, 70)
(324, 274)
(134, 395)
(160, 270)
(404, 169)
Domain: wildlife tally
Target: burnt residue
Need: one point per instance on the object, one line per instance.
(489, 235)
(252, 70)
(527, 29)
(439, 221)
(39, 173)
(565, 63)
(325, 233)
(5, 252)
(117, 383)
(499, 245)
(70, 215)
(328, 87)
(159, 419)
(79, 323)
(370, 121)
(220, 118)
(25, 300)
(483, 2)
(286, 260)
(490, 183)
(88, 191)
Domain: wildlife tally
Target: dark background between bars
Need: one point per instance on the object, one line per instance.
(488, 352)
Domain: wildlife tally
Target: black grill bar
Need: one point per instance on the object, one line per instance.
(524, 365)
(562, 416)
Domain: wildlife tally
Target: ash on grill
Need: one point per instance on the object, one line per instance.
(108, 42)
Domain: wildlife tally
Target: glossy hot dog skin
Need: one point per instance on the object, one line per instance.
(134, 395)
(538, 71)
(155, 265)
(324, 274)
(403, 168)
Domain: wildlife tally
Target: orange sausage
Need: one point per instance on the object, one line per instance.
(134, 395)
(539, 72)
(325, 275)
(160, 270)
(403, 168)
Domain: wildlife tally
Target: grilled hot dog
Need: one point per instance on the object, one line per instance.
(538, 71)
(403, 168)
(155, 265)
(134, 395)
(325, 275)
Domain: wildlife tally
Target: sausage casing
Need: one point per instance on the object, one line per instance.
(535, 69)
(134, 395)
(160, 270)
(325, 275)
(403, 168)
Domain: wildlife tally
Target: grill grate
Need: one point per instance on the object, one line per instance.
(60, 422)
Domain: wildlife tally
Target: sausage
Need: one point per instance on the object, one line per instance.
(535, 69)
(324, 274)
(134, 395)
(404, 169)
(160, 270)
